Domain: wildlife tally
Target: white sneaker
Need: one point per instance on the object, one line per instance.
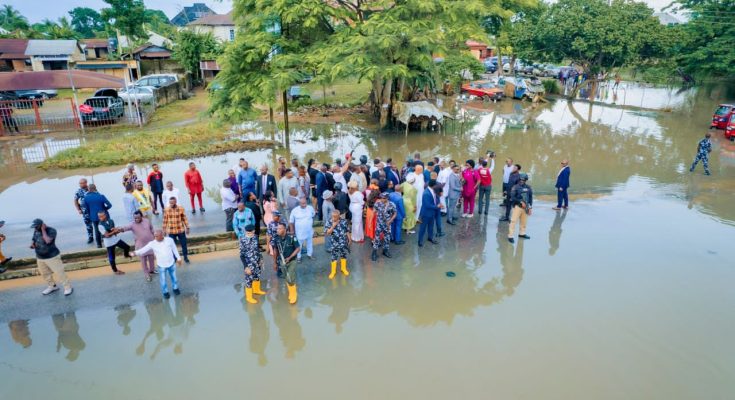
(50, 290)
(470, 215)
(68, 291)
(464, 215)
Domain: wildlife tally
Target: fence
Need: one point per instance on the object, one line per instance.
(57, 115)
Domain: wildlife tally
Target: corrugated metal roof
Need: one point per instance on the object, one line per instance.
(100, 66)
(155, 54)
(95, 43)
(60, 79)
(50, 47)
(13, 48)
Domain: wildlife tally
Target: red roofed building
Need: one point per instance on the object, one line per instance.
(95, 49)
(13, 55)
(481, 51)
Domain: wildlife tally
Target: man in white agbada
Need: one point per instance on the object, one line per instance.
(442, 178)
(420, 185)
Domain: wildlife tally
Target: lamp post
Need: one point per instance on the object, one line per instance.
(69, 65)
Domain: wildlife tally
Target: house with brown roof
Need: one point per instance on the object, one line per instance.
(150, 51)
(13, 57)
(221, 26)
(480, 50)
(95, 49)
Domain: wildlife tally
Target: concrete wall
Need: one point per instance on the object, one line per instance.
(148, 67)
(170, 93)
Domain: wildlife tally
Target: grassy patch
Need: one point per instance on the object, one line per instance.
(348, 92)
(191, 141)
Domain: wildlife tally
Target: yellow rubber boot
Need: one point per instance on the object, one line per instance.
(344, 267)
(292, 295)
(334, 270)
(249, 296)
(256, 288)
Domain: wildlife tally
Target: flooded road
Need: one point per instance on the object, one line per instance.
(628, 295)
(622, 297)
(607, 147)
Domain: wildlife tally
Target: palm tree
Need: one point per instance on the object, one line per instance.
(11, 19)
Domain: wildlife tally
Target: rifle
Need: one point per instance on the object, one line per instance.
(280, 253)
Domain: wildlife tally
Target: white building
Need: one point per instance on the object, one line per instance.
(49, 55)
(222, 27)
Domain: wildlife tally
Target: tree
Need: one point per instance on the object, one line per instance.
(189, 47)
(708, 39)
(86, 21)
(269, 53)
(594, 35)
(159, 23)
(393, 45)
(11, 20)
(128, 16)
(457, 67)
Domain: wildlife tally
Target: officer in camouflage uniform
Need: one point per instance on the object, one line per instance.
(271, 231)
(703, 149)
(287, 248)
(385, 213)
(340, 237)
(251, 262)
(521, 201)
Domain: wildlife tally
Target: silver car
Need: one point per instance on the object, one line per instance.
(140, 94)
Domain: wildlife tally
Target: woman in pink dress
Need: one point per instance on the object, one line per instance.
(269, 205)
(470, 182)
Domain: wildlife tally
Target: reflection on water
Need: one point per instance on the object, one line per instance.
(68, 329)
(170, 326)
(555, 231)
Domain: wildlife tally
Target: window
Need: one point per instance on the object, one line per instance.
(232, 35)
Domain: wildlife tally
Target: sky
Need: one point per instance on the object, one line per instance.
(37, 10)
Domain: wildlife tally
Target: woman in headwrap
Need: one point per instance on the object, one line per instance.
(420, 185)
(372, 194)
(356, 206)
(409, 203)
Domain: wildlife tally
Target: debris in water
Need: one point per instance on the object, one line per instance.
(450, 274)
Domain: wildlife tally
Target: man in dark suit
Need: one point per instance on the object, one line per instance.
(562, 186)
(96, 203)
(321, 187)
(328, 174)
(263, 184)
(428, 215)
(390, 173)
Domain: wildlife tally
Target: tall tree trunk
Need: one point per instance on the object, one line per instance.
(270, 113)
(385, 106)
(375, 96)
(285, 116)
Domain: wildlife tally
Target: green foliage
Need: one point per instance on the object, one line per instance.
(48, 29)
(551, 86)
(86, 21)
(128, 16)
(458, 67)
(595, 35)
(708, 39)
(189, 47)
(269, 52)
(159, 23)
(11, 20)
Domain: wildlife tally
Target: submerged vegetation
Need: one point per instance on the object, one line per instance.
(154, 145)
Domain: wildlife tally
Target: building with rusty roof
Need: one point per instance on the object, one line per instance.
(13, 55)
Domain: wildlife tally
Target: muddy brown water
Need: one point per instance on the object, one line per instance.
(627, 295)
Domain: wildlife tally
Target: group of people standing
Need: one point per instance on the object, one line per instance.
(357, 201)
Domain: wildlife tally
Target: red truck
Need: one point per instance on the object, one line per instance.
(722, 115)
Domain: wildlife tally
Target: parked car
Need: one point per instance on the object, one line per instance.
(12, 99)
(490, 65)
(551, 71)
(730, 129)
(487, 90)
(157, 80)
(36, 94)
(102, 109)
(722, 115)
(134, 94)
(296, 92)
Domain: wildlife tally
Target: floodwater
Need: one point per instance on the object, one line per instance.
(626, 295)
